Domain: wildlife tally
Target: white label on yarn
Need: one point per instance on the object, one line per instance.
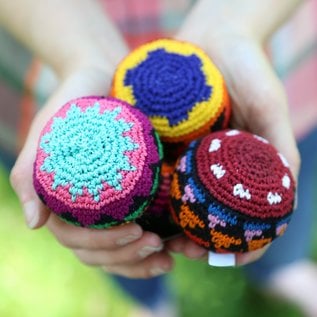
(238, 190)
(274, 198)
(215, 145)
(221, 259)
(286, 181)
(218, 170)
(232, 132)
(261, 139)
(283, 159)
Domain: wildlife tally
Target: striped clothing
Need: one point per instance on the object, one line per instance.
(25, 83)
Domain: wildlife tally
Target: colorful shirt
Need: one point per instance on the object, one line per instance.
(25, 83)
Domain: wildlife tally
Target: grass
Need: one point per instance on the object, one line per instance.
(39, 278)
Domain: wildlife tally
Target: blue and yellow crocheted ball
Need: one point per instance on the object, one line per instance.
(177, 86)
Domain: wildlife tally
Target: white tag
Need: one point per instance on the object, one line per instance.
(221, 259)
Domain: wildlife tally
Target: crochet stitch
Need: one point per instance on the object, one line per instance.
(177, 86)
(232, 192)
(97, 163)
(157, 218)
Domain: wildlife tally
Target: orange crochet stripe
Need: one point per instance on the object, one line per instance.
(258, 244)
(189, 219)
(221, 240)
(175, 191)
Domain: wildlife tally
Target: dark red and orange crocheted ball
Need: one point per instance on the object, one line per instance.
(232, 192)
(177, 86)
(98, 162)
(157, 218)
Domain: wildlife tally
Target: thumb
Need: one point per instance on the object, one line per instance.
(259, 101)
(81, 83)
(35, 213)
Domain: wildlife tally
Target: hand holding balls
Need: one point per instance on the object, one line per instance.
(98, 162)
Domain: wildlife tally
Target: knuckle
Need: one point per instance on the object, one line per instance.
(94, 241)
(146, 273)
(17, 175)
(111, 269)
(85, 258)
(64, 240)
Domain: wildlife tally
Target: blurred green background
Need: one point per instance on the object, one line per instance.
(39, 278)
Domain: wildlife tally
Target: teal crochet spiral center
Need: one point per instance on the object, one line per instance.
(87, 149)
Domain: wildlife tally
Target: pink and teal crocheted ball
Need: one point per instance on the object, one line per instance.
(97, 163)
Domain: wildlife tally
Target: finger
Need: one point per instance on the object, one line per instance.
(249, 257)
(155, 265)
(187, 247)
(94, 239)
(176, 245)
(134, 252)
(193, 251)
(35, 213)
(259, 100)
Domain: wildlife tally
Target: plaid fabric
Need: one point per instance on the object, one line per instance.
(25, 83)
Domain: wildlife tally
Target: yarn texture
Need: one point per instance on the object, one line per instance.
(157, 218)
(232, 192)
(97, 163)
(177, 86)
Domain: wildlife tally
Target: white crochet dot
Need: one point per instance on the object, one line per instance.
(286, 181)
(218, 170)
(273, 198)
(283, 159)
(232, 132)
(261, 139)
(238, 190)
(215, 145)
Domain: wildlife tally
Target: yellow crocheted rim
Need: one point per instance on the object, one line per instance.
(201, 113)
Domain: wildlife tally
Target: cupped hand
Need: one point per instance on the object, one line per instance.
(125, 250)
(234, 41)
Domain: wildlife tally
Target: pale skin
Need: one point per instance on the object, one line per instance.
(82, 46)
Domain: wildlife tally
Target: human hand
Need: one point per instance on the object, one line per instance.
(232, 33)
(83, 47)
(124, 250)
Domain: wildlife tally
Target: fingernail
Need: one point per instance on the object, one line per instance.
(31, 214)
(221, 259)
(146, 251)
(197, 253)
(128, 239)
(156, 271)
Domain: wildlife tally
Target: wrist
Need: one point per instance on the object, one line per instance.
(218, 19)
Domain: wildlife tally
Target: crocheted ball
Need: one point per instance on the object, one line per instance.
(97, 163)
(177, 86)
(157, 218)
(232, 192)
